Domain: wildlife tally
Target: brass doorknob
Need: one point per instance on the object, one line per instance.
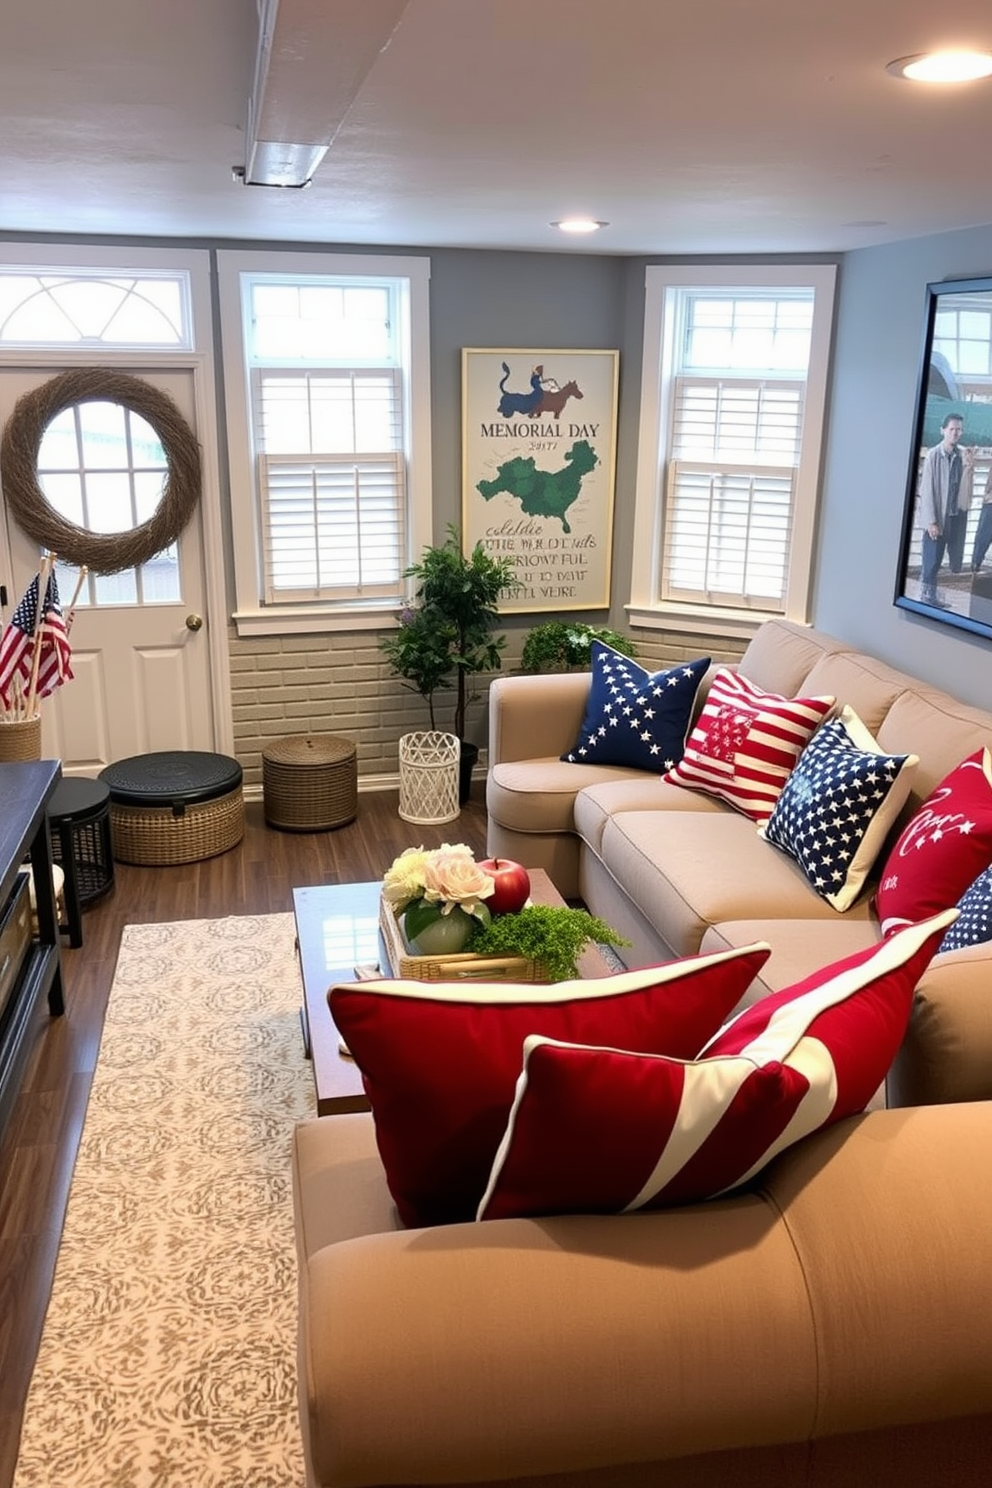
(194, 622)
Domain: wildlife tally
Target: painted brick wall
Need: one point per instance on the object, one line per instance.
(341, 684)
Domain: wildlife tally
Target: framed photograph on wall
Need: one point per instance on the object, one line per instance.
(538, 470)
(945, 565)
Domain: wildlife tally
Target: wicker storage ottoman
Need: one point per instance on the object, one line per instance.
(310, 782)
(177, 806)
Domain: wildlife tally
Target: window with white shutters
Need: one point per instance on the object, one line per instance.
(732, 408)
(332, 483)
(334, 394)
(730, 489)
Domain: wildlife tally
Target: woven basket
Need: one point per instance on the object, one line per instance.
(155, 836)
(429, 770)
(20, 739)
(310, 782)
(456, 968)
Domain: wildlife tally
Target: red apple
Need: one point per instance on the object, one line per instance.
(512, 885)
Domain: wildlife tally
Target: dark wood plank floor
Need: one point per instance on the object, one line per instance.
(38, 1147)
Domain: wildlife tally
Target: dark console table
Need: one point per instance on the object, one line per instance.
(25, 791)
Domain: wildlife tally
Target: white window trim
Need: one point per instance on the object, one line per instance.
(251, 617)
(645, 609)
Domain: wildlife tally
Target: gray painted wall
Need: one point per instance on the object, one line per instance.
(529, 300)
(870, 430)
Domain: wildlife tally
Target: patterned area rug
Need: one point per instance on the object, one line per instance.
(169, 1349)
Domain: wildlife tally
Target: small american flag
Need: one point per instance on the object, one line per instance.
(17, 645)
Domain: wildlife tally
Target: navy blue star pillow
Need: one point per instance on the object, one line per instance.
(974, 923)
(838, 806)
(636, 718)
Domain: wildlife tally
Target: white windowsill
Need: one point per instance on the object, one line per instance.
(700, 619)
(273, 622)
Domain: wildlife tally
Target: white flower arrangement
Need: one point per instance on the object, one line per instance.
(442, 879)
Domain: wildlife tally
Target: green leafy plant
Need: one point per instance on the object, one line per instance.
(557, 645)
(447, 634)
(552, 935)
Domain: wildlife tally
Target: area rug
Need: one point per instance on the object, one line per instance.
(168, 1354)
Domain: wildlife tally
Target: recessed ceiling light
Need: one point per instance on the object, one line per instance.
(943, 67)
(579, 225)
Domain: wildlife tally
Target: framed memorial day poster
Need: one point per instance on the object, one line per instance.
(538, 470)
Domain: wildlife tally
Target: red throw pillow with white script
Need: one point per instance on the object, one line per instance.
(943, 850)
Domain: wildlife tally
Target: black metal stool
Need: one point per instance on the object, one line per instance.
(79, 817)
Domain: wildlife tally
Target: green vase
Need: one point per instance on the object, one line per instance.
(437, 934)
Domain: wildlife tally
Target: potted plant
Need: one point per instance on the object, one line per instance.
(559, 645)
(447, 634)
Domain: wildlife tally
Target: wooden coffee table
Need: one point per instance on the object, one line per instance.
(337, 929)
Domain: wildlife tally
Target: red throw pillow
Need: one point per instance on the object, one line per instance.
(943, 849)
(746, 742)
(609, 1130)
(440, 1060)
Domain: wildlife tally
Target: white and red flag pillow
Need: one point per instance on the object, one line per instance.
(607, 1130)
(746, 742)
(440, 1060)
(943, 849)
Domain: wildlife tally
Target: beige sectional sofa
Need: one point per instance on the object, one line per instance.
(830, 1326)
(677, 871)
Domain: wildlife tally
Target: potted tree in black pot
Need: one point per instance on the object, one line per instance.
(447, 635)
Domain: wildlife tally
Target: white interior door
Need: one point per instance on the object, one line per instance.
(140, 659)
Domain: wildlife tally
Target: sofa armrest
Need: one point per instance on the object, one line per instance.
(947, 1052)
(535, 717)
(522, 1348)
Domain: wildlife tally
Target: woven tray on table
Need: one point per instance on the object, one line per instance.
(461, 967)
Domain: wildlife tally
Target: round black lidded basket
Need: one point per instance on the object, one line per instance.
(176, 806)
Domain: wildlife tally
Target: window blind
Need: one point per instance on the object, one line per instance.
(730, 490)
(332, 482)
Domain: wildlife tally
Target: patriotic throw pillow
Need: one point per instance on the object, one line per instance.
(838, 805)
(635, 718)
(440, 1060)
(746, 742)
(605, 1130)
(974, 923)
(942, 850)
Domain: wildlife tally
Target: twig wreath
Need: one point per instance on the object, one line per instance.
(101, 552)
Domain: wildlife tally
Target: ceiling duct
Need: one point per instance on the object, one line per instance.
(313, 57)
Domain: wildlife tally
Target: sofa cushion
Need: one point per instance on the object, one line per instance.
(943, 848)
(439, 1060)
(596, 804)
(745, 742)
(781, 654)
(799, 947)
(863, 682)
(634, 717)
(608, 1130)
(686, 870)
(940, 730)
(538, 795)
(838, 805)
(974, 923)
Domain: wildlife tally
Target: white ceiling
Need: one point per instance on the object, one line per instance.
(724, 125)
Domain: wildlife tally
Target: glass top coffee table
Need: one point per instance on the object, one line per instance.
(337, 929)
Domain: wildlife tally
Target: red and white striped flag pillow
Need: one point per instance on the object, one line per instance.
(439, 1060)
(608, 1130)
(746, 742)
